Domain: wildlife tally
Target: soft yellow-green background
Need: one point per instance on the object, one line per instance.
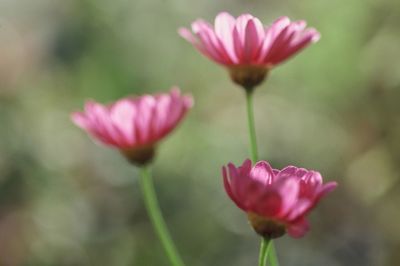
(334, 108)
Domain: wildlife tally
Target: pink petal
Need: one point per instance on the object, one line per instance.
(288, 171)
(246, 189)
(312, 177)
(210, 42)
(262, 172)
(278, 44)
(298, 43)
(239, 35)
(187, 34)
(269, 204)
(224, 24)
(282, 42)
(133, 122)
(270, 34)
(299, 209)
(228, 189)
(241, 24)
(245, 168)
(301, 172)
(122, 115)
(101, 124)
(145, 106)
(298, 229)
(165, 115)
(292, 42)
(288, 189)
(252, 40)
(325, 189)
(80, 120)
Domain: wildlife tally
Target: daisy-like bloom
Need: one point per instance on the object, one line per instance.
(275, 201)
(246, 47)
(134, 125)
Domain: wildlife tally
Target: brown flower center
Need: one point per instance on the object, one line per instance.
(248, 76)
(139, 156)
(266, 227)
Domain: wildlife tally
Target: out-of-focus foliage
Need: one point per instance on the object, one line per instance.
(334, 108)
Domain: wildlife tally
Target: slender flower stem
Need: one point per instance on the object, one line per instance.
(264, 250)
(156, 217)
(251, 124)
(267, 249)
(272, 258)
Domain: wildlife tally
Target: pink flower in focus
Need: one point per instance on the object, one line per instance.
(134, 125)
(276, 201)
(246, 46)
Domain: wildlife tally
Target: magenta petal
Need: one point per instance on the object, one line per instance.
(269, 204)
(288, 171)
(326, 188)
(298, 229)
(262, 172)
(228, 189)
(245, 169)
(301, 207)
(313, 177)
(286, 200)
(289, 190)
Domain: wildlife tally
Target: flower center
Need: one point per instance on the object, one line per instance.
(266, 227)
(248, 76)
(139, 155)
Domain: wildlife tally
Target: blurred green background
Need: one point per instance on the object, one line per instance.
(335, 108)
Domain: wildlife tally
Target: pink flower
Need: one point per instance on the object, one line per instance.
(246, 46)
(134, 125)
(276, 201)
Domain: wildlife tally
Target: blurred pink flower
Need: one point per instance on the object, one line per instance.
(276, 201)
(246, 46)
(134, 125)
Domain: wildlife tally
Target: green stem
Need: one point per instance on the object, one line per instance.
(251, 124)
(264, 250)
(153, 209)
(272, 258)
(267, 248)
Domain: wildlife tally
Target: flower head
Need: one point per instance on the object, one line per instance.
(247, 47)
(134, 125)
(276, 201)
